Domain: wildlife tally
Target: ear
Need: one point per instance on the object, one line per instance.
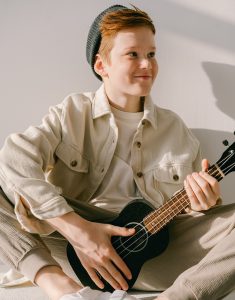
(100, 66)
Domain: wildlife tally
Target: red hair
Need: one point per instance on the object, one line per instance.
(116, 21)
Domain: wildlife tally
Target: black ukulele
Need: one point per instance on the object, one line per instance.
(151, 234)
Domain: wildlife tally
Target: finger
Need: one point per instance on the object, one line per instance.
(196, 195)
(95, 277)
(197, 192)
(194, 203)
(202, 191)
(120, 231)
(205, 164)
(116, 275)
(109, 277)
(206, 195)
(113, 255)
(120, 264)
(214, 184)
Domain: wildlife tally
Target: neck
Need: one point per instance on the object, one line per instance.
(127, 107)
(125, 102)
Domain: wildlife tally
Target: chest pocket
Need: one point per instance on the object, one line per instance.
(170, 178)
(72, 158)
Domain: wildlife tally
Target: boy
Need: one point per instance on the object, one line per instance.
(95, 152)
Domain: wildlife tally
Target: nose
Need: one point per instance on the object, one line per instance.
(145, 63)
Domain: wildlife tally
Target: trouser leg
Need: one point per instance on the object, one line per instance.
(201, 255)
(26, 252)
(19, 249)
(212, 278)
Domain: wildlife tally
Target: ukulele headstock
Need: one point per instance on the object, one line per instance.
(226, 162)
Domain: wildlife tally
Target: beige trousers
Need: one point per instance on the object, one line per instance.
(199, 262)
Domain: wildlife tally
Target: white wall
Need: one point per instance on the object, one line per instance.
(42, 59)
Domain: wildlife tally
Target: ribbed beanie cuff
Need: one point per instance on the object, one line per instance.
(94, 37)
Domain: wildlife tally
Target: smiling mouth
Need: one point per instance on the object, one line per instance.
(144, 77)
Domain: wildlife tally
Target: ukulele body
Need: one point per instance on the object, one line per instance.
(135, 250)
(138, 214)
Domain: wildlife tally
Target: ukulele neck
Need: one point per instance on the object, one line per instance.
(157, 219)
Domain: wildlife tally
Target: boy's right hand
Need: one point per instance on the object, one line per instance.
(92, 243)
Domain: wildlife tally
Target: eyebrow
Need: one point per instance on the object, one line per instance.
(135, 47)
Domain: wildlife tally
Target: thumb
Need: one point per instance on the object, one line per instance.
(121, 231)
(205, 164)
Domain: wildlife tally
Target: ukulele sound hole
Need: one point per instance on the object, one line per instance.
(136, 242)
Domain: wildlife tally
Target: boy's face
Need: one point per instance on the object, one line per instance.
(132, 67)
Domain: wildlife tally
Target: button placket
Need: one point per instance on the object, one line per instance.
(137, 157)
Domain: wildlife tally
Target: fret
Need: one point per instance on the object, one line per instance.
(216, 172)
(173, 207)
(180, 201)
(160, 217)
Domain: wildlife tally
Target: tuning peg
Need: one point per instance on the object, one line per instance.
(225, 142)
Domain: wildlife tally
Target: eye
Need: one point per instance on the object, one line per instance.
(133, 54)
(151, 55)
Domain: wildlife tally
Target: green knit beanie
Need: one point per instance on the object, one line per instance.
(94, 37)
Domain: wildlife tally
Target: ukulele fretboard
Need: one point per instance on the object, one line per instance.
(157, 219)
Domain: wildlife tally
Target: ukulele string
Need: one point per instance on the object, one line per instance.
(162, 221)
(128, 240)
(213, 173)
(175, 203)
(151, 234)
(161, 225)
(229, 167)
(223, 161)
(148, 219)
(233, 165)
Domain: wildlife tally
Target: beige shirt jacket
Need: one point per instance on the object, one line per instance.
(71, 151)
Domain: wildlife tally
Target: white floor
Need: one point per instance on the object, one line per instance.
(29, 292)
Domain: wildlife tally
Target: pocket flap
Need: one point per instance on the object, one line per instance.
(174, 173)
(72, 158)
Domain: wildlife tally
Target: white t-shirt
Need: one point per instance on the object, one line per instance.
(115, 194)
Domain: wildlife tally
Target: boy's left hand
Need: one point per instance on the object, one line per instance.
(202, 189)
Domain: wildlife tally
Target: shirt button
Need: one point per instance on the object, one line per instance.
(73, 163)
(176, 177)
(139, 174)
(102, 171)
(138, 144)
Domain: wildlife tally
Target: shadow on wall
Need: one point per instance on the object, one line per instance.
(222, 77)
(223, 86)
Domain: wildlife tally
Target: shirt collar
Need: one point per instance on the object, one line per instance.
(101, 107)
(150, 111)
(100, 103)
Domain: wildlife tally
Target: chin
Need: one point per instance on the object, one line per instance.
(143, 92)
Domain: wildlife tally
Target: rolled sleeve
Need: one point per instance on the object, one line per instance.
(25, 161)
